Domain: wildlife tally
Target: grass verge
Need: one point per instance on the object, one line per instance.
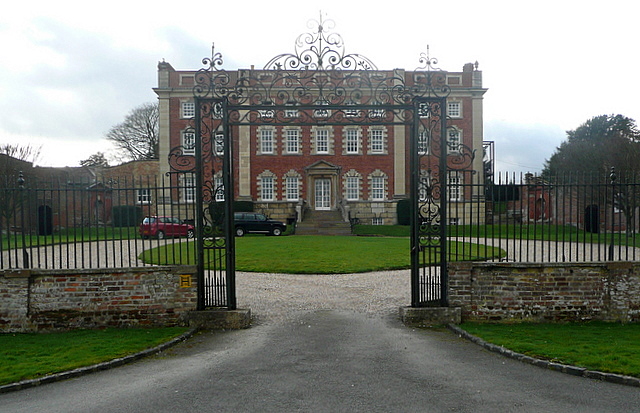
(31, 355)
(606, 347)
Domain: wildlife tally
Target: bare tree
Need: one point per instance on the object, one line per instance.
(15, 159)
(98, 159)
(137, 136)
(25, 153)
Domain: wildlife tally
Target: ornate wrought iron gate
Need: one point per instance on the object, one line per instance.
(318, 85)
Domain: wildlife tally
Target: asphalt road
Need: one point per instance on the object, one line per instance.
(326, 361)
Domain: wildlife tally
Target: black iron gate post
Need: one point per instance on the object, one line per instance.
(199, 199)
(444, 198)
(428, 189)
(229, 196)
(414, 215)
(214, 189)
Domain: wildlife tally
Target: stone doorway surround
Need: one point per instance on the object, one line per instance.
(322, 170)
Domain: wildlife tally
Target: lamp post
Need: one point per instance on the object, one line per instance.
(25, 254)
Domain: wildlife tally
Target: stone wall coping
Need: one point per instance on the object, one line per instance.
(26, 273)
(600, 264)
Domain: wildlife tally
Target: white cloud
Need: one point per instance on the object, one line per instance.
(72, 69)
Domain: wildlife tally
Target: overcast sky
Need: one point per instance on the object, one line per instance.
(70, 70)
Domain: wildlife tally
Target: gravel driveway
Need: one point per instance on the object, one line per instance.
(284, 297)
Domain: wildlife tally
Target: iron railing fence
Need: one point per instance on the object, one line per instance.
(79, 224)
(529, 218)
(517, 217)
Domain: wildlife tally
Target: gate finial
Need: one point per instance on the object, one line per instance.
(428, 62)
(215, 61)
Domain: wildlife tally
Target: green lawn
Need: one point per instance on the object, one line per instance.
(547, 232)
(29, 356)
(606, 347)
(316, 254)
(80, 234)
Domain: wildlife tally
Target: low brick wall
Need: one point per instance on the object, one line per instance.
(546, 292)
(48, 300)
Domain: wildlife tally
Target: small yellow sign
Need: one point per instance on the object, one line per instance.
(185, 280)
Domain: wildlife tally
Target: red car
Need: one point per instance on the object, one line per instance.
(161, 227)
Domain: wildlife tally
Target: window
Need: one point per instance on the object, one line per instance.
(144, 196)
(453, 109)
(292, 185)
(423, 143)
(266, 189)
(376, 113)
(425, 187)
(187, 80)
(322, 141)
(188, 109)
(218, 185)
(353, 188)
(217, 110)
(188, 142)
(293, 140)
(189, 188)
(377, 221)
(424, 110)
(377, 188)
(377, 140)
(351, 113)
(291, 113)
(453, 140)
(219, 144)
(267, 113)
(352, 139)
(454, 188)
(266, 141)
(322, 113)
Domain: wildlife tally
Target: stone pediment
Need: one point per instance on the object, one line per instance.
(322, 166)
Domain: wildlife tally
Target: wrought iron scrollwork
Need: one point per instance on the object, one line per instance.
(319, 72)
(429, 209)
(322, 50)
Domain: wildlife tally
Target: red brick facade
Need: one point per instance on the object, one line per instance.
(388, 160)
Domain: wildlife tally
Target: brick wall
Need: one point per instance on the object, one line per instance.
(40, 300)
(546, 292)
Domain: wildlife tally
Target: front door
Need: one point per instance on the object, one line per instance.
(323, 194)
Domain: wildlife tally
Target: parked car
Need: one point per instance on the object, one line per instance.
(161, 227)
(253, 222)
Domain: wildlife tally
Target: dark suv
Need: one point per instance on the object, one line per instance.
(246, 222)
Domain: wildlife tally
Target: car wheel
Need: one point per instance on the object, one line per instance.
(160, 235)
(190, 233)
(240, 232)
(277, 232)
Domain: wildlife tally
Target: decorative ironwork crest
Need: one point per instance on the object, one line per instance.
(321, 50)
(319, 72)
